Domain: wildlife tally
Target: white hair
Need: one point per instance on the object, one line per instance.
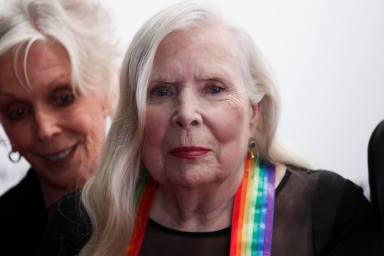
(109, 197)
(82, 27)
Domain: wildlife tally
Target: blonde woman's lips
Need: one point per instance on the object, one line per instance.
(61, 155)
(191, 153)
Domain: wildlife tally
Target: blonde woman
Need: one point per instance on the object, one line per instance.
(58, 62)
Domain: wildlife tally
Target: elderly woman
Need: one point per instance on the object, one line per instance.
(57, 73)
(189, 166)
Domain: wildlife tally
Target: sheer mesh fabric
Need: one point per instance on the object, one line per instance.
(160, 240)
(292, 230)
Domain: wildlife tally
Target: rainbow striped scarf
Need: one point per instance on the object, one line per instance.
(252, 217)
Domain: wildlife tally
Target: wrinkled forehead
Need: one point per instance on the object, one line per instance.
(212, 37)
(27, 61)
(213, 45)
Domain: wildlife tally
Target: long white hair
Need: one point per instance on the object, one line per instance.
(108, 197)
(82, 27)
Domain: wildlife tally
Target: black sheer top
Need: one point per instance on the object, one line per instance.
(173, 242)
(316, 213)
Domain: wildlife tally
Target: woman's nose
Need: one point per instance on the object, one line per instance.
(46, 124)
(187, 111)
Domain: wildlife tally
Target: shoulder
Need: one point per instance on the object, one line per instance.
(26, 194)
(340, 218)
(69, 228)
(343, 220)
(28, 183)
(337, 197)
(23, 216)
(12, 194)
(339, 193)
(325, 183)
(340, 187)
(332, 193)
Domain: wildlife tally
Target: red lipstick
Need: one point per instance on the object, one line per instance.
(189, 152)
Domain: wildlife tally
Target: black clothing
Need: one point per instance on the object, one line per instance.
(376, 173)
(173, 242)
(23, 217)
(68, 230)
(317, 213)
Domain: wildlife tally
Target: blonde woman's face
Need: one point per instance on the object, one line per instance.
(58, 132)
(199, 118)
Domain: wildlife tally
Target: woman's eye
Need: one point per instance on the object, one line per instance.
(162, 91)
(64, 98)
(214, 89)
(17, 112)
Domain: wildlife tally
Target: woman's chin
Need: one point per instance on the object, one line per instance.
(193, 179)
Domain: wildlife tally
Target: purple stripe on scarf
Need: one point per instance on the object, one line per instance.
(271, 208)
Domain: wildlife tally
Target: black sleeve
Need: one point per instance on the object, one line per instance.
(68, 230)
(343, 220)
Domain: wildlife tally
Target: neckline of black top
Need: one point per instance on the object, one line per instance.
(220, 232)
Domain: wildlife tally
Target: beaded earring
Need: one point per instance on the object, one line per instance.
(252, 148)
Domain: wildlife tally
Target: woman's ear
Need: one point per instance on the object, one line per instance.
(254, 117)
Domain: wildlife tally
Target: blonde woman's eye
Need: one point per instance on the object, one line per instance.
(17, 112)
(63, 98)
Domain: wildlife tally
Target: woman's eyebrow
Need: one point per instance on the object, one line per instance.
(60, 79)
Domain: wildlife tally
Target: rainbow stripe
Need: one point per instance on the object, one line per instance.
(145, 192)
(252, 218)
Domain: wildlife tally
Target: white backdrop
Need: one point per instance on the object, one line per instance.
(328, 59)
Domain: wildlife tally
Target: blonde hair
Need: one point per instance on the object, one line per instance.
(82, 27)
(108, 197)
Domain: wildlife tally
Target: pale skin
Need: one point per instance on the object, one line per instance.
(59, 133)
(198, 123)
